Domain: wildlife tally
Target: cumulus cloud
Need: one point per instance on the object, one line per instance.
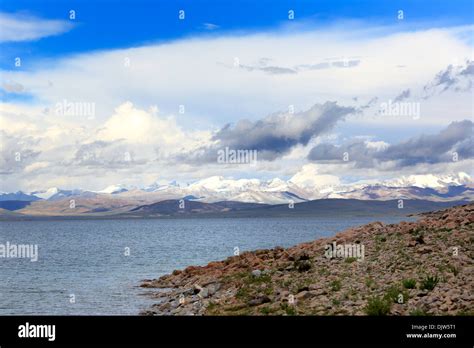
(106, 154)
(429, 149)
(309, 177)
(20, 27)
(17, 152)
(139, 126)
(174, 146)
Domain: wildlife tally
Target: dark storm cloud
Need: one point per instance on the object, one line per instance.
(274, 135)
(457, 137)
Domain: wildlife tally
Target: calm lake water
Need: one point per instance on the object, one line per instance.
(87, 258)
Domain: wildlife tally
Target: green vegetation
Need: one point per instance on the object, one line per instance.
(370, 282)
(335, 285)
(289, 310)
(266, 310)
(323, 271)
(302, 265)
(395, 294)
(453, 269)
(409, 283)
(350, 259)
(211, 307)
(243, 293)
(429, 282)
(378, 306)
(418, 235)
(251, 285)
(419, 312)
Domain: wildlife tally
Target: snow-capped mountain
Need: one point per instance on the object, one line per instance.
(299, 188)
(49, 193)
(160, 187)
(55, 193)
(430, 180)
(113, 189)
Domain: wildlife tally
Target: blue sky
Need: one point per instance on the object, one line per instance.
(106, 24)
(235, 68)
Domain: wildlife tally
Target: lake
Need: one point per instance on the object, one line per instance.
(101, 262)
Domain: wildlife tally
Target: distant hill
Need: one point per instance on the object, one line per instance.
(320, 207)
(94, 209)
(14, 205)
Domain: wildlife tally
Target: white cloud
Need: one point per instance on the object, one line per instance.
(210, 26)
(19, 27)
(139, 126)
(35, 166)
(199, 73)
(309, 177)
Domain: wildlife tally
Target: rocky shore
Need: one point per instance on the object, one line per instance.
(410, 268)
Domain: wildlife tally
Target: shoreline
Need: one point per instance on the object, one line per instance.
(409, 268)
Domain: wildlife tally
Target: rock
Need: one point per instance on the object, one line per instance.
(386, 264)
(188, 292)
(316, 286)
(424, 250)
(204, 293)
(213, 288)
(303, 288)
(259, 300)
(303, 295)
(197, 288)
(303, 257)
(451, 225)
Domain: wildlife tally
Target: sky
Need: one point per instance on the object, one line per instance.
(95, 93)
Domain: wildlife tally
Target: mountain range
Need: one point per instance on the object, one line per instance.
(219, 194)
(458, 186)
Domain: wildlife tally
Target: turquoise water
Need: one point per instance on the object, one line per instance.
(87, 258)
